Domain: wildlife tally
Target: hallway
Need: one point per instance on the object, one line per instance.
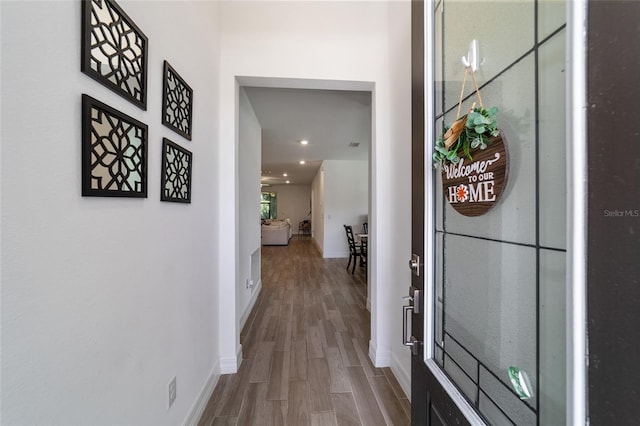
(305, 350)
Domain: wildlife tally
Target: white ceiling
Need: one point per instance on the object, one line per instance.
(329, 119)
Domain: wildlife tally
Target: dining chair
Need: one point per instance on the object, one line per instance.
(363, 252)
(354, 250)
(304, 227)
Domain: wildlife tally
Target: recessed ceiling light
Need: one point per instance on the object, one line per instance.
(304, 142)
(302, 161)
(287, 181)
(284, 174)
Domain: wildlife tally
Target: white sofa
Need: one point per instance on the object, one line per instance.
(276, 233)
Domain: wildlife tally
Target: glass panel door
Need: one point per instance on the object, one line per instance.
(500, 277)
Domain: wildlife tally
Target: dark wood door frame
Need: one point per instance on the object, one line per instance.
(430, 402)
(613, 224)
(418, 387)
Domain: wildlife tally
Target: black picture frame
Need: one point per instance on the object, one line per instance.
(114, 152)
(114, 50)
(177, 102)
(177, 165)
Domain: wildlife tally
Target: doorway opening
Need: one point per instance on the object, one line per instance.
(310, 143)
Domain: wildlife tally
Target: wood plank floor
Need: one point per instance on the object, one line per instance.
(305, 350)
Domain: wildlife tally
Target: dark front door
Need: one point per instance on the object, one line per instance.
(430, 404)
(488, 292)
(613, 229)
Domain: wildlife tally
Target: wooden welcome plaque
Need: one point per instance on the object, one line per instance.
(473, 187)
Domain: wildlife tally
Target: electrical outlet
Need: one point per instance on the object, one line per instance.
(172, 391)
(249, 283)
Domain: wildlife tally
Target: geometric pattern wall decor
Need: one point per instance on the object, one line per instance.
(114, 50)
(114, 152)
(177, 102)
(176, 173)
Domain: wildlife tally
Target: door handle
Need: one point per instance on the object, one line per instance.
(408, 341)
(414, 299)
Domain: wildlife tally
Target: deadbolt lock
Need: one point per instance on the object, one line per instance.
(414, 264)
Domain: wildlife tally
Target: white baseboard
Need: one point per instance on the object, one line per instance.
(230, 365)
(318, 247)
(379, 357)
(404, 377)
(256, 292)
(199, 405)
(336, 255)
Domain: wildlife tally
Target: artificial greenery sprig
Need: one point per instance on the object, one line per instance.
(468, 132)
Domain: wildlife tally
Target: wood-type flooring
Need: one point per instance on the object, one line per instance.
(305, 350)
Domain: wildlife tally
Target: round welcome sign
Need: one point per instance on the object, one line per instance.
(473, 187)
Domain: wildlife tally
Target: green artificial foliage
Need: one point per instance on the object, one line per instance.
(479, 127)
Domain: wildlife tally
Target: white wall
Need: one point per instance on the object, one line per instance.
(398, 206)
(316, 44)
(346, 202)
(249, 154)
(294, 202)
(104, 300)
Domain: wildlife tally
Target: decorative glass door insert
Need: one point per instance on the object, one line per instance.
(500, 277)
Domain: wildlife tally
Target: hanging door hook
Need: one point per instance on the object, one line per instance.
(471, 60)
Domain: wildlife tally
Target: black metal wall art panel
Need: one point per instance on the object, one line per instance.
(114, 152)
(114, 50)
(177, 102)
(176, 173)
